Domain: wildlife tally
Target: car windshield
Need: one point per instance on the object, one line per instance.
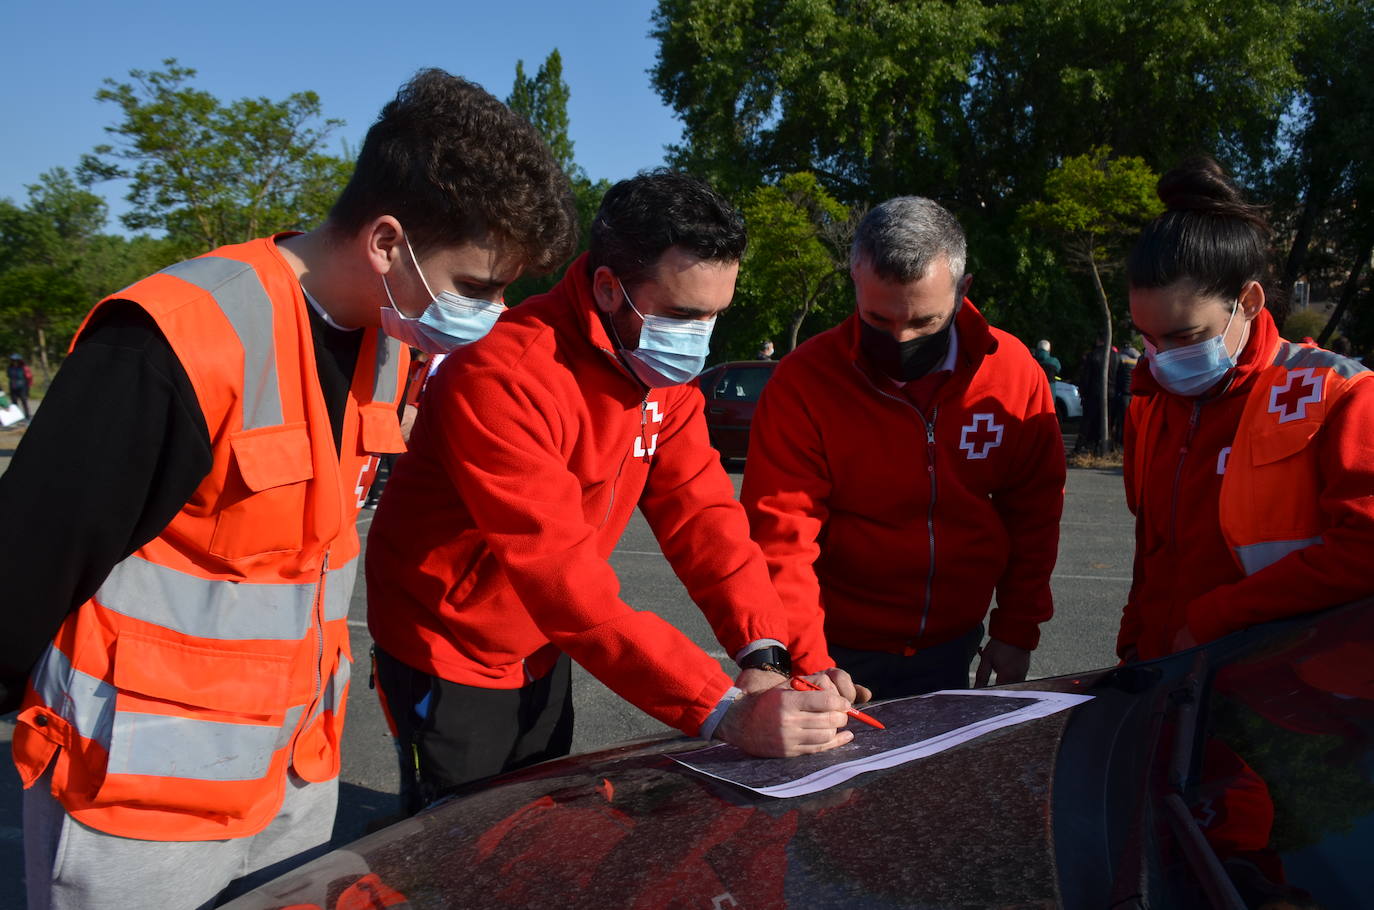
(742, 384)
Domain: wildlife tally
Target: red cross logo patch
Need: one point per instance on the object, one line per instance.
(1299, 389)
(981, 436)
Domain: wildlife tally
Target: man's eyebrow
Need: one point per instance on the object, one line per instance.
(696, 310)
(489, 281)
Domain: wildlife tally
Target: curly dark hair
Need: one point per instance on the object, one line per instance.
(452, 164)
(642, 217)
(1208, 235)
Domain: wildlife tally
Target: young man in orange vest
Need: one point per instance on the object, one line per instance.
(904, 467)
(180, 596)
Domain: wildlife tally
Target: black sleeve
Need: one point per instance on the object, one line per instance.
(117, 448)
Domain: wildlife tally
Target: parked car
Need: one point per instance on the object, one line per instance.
(732, 393)
(1263, 741)
(1067, 404)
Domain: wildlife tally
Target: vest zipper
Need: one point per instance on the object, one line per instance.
(1178, 474)
(929, 425)
(317, 626)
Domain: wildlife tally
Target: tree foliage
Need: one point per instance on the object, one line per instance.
(1325, 181)
(975, 102)
(859, 93)
(1093, 204)
(208, 173)
(56, 261)
(543, 101)
(795, 264)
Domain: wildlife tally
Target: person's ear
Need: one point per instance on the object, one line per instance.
(606, 290)
(1251, 299)
(964, 284)
(383, 243)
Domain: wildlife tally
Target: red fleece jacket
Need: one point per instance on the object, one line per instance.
(1184, 571)
(533, 448)
(881, 536)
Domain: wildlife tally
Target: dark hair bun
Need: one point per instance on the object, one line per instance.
(1200, 185)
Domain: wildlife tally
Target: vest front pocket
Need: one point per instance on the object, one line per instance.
(196, 728)
(263, 510)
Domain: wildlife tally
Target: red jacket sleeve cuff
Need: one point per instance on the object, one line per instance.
(1014, 631)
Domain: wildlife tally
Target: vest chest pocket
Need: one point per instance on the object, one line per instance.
(263, 509)
(380, 429)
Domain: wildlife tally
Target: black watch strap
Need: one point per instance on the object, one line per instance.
(773, 657)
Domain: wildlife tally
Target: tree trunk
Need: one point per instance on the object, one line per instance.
(43, 355)
(1296, 264)
(1352, 284)
(1104, 440)
(795, 327)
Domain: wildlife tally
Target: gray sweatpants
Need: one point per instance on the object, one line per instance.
(69, 866)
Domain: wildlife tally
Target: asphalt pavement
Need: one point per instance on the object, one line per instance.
(1090, 585)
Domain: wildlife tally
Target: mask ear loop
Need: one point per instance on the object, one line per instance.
(1234, 307)
(415, 262)
(411, 250)
(624, 290)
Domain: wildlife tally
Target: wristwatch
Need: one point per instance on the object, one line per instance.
(773, 657)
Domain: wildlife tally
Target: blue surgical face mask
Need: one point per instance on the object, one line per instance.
(671, 351)
(1193, 369)
(450, 321)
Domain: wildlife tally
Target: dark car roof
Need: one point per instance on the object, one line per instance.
(1057, 811)
(631, 827)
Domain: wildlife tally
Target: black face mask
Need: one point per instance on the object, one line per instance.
(904, 360)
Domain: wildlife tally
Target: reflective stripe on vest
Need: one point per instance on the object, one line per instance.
(332, 698)
(1256, 556)
(238, 291)
(222, 610)
(1293, 356)
(384, 382)
(158, 744)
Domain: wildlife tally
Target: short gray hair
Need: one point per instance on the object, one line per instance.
(903, 237)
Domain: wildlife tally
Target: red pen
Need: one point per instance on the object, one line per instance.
(806, 685)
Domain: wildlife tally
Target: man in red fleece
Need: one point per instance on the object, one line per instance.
(487, 562)
(903, 467)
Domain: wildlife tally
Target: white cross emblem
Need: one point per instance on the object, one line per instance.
(981, 436)
(1290, 401)
(651, 412)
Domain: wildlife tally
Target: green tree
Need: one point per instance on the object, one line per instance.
(1324, 185)
(860, 93)
(973, 103)
(799, 239)
(55, 262)
(209, 173)
(543, 101)
(1093, 204)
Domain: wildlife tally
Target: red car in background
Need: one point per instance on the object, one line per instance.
(732, 392)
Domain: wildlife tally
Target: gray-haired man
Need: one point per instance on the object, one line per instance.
(904, 467)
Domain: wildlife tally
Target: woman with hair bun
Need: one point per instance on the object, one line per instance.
(1249, 460)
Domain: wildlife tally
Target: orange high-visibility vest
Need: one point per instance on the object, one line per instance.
(1272, 481)
(171, 703)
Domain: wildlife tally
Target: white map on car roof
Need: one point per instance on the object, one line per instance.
(917, 727)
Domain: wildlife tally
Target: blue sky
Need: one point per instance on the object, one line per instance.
(354, 55)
